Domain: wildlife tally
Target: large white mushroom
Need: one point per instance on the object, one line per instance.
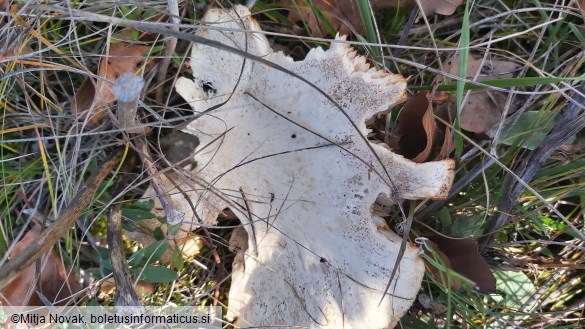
(297, 170)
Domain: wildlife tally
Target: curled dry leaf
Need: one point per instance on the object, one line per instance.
(345, 17)
(55, 282)
(483, 108)
(94, 96)
(417, 128)
(422, 137)
(300, 175)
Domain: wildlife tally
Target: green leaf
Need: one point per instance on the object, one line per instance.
(137, 214)
(159, 234)
(126, 225)
(144, 205)
(467, 226)
(3, 245)
(149, 254)
(517, 290)
(99, 274)
(446, 219)
(101, 254)
(177, 259)
(573, 167)
(157, 274)
(552, 224)
(529, 130)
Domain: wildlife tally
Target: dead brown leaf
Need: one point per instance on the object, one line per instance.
(444, 120)
(55, 282)
(568, 152)
(16, 51)
(423, 137)
(142, 288)
(438, 274)
(5, 4)
(417, 128)
(465, 259)
(483, 108)
(345, 17)
(93, 97)
(441, 7)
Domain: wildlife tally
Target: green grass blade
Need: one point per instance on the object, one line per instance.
(369, 21)
(462, 73)
(501, 83)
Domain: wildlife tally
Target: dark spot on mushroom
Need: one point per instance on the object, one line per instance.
(208, 88)
(293, 136)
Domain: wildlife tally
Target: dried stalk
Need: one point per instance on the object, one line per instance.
(127, 92)
(171, 44)
(125, 293)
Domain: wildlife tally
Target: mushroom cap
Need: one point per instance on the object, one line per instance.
(284, 147)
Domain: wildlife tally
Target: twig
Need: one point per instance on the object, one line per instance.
(174, 215)
(59, 227)
(127, 91)
(173, 7)
(125, 293)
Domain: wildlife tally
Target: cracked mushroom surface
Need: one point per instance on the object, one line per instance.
(297, 170)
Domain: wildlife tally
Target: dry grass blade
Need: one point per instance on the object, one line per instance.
(173, 7)
(60, 226)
